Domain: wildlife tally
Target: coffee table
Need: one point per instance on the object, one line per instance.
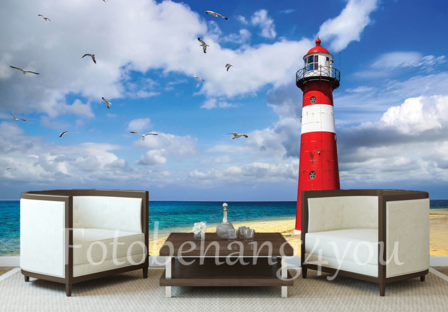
(263, 267)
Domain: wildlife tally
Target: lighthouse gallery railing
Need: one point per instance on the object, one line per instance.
(321, 71)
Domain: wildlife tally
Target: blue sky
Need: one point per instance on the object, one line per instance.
(391, 108)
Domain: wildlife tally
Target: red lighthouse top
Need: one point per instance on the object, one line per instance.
(318, 48)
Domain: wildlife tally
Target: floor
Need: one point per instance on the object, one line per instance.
(4, 270)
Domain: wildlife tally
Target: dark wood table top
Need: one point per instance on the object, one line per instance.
(263, 245)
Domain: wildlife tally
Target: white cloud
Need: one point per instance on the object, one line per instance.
(280, 141)
(408, 143)
(360, 89)
(214, 103)
(170, 144)
(141, 124)
(153, 157)
(37, 161)
(267, 24)
(256, 171)
(125, 46)
(209, 104)
(242, 37)
(406, 59)
(242, 19)
(416, 115)
(348, 25)
(47, 122)
(384, 65)
(288, 11)
(141, 94)
(397, 59)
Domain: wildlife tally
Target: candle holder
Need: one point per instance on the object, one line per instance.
(221, 229)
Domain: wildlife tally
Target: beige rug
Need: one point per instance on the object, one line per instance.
(130, 292)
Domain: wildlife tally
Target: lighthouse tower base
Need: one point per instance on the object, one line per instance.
(297, 232)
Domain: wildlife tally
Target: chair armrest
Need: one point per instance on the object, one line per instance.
(43, 242)
(406, 235)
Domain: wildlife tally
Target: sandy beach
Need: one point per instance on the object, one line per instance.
(438, 232)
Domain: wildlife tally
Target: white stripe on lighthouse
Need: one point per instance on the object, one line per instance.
(318, 118)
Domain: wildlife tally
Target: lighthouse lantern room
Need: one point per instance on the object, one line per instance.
(318, 168)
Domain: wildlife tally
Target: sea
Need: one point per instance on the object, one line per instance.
(166, 216)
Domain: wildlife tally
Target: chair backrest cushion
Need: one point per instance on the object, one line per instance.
(111, 213)
(345, 212)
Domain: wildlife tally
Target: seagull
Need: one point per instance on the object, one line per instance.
(236, 135)
(228, 66)
(24, 71)
(203, 44)
(107, 102)
(62, 134)
(104, 1)
(144, 135)
(92, 56)
(45, 18)
(9, 168)
(197, 77)
(216, 14)
(17, 119)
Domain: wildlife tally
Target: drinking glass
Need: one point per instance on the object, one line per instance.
(241, 231)
(232, 234)
(249, 234)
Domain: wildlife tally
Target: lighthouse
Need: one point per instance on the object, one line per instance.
(318, 169)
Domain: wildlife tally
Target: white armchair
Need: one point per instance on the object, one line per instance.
(71, 236)
(381, 236)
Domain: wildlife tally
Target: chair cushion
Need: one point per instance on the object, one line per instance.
(84, 238)
(86, 269)
(346, 265)
(353, 245)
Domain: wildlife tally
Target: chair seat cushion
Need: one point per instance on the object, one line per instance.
(97, 239)
(356, 245)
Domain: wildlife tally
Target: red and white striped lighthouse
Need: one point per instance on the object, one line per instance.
(318, 169)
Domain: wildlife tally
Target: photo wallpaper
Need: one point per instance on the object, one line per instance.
(201, 103)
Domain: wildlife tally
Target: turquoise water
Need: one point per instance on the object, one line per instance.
(170, 216)
(167, 216)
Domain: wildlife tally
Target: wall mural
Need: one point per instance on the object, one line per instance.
(167, 217)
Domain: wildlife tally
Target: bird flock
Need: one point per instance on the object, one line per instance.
(203, 44)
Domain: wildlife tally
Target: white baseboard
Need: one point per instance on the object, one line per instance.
(159, 261)
(8, 274)
(438, 261)
(9, 261)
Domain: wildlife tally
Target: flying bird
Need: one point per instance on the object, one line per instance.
(62, 134)
(228, 66)
(24, 71)
(107, 102)
(45, 18)
(144, 135)
(92, 56)
(203, 45)
(236, 135)
(197, 77)
(216, 14)
(9, 168)
(17, 119)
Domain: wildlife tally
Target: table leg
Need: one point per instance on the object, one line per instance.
(168, 276)
(284, 275)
